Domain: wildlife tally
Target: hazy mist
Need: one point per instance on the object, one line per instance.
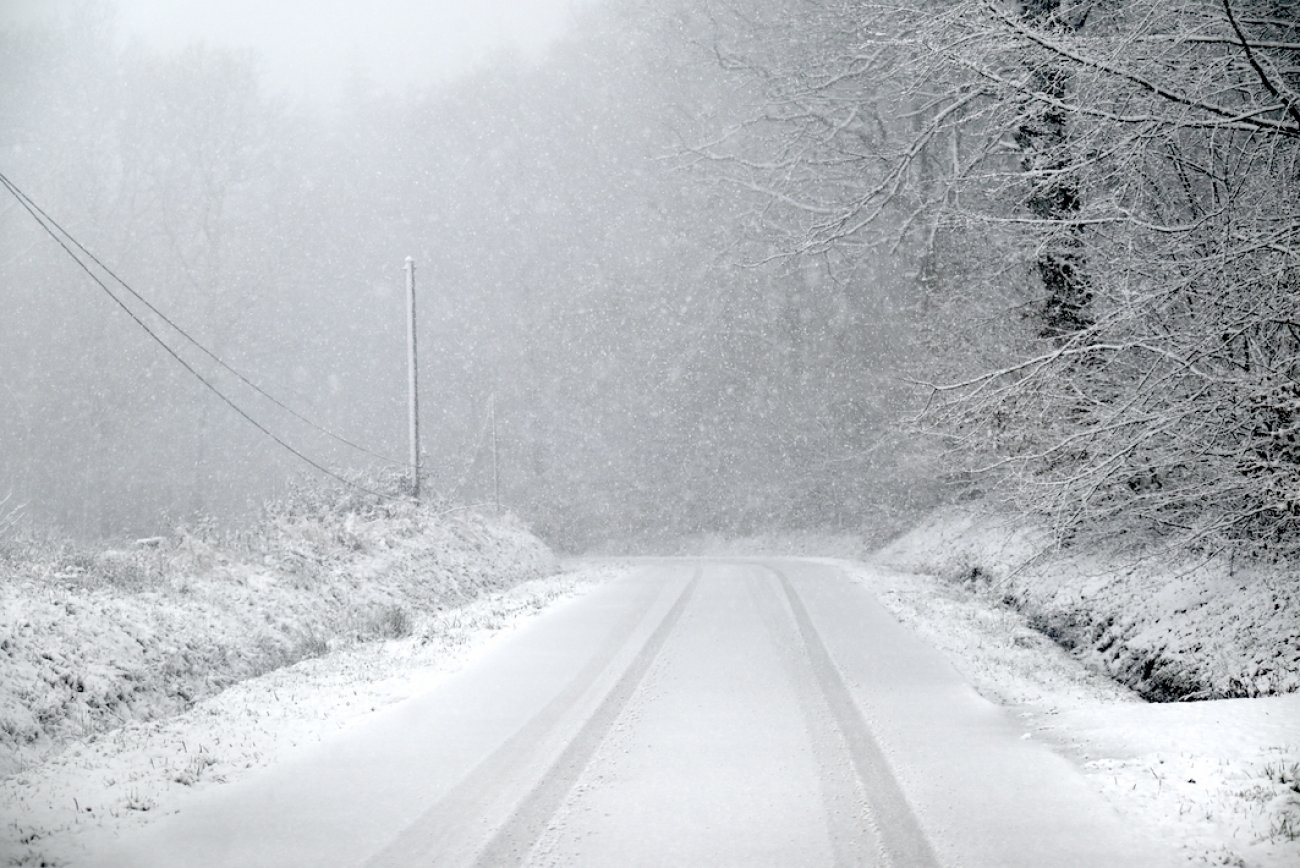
(654, 370)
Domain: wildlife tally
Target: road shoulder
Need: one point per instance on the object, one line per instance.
(1218, 777)
(127, 779)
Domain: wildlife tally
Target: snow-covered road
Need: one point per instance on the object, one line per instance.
(689, 713)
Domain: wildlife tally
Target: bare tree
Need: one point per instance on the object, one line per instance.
(1107, 192)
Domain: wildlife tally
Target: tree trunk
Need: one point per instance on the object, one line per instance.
(1044, 140)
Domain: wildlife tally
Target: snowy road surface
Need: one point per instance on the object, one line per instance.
(690, 713)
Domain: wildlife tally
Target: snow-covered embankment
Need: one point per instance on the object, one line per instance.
(1220, 777)
(1171, 626)
(90, 642)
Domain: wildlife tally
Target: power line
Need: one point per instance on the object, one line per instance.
(24, 201)
(475, 451)
(32, 209)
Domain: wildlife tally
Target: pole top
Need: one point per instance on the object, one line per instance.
(410, 260)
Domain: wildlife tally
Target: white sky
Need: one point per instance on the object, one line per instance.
(311, 46)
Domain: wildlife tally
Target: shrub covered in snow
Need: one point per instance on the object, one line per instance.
(89, 639)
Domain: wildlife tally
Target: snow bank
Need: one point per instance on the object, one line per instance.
(1167, 625)
(1220, 778)
(62, 811)
(90, 642)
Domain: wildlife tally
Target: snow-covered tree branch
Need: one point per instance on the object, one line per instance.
(1098, 199)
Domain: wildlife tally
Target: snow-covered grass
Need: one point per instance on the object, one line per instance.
(90, 641)
(57, 813)
(1170, 625)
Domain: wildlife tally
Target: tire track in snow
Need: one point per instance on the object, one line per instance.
(513, 841)
(453, 831)
(851, 827)
(901, 840)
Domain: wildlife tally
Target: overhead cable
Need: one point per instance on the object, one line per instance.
(25, 200)
(31, 209)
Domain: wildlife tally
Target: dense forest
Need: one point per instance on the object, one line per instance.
(724, 266)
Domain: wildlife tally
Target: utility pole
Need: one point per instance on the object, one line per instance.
(413, 379)
(496, 465)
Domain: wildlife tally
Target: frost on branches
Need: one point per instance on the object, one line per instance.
(1100, 202)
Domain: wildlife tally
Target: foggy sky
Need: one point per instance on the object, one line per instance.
(310, 48)
(640, 382)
